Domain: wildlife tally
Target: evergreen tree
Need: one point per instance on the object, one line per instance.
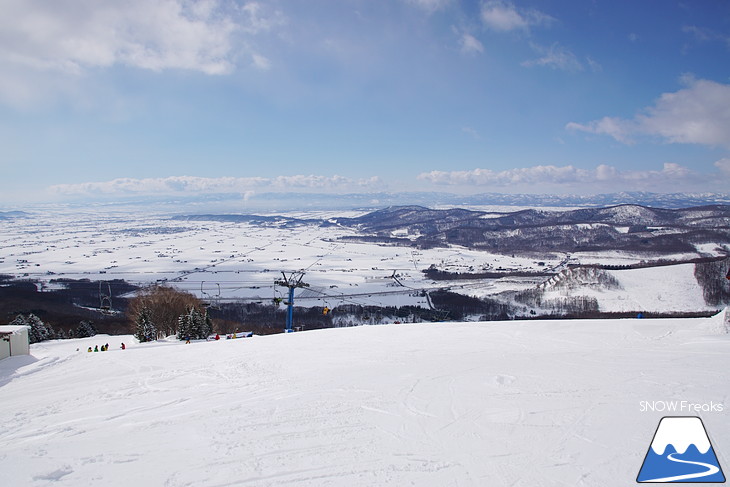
(38, 331)
(201, 327)
(165, 305)
(194, 325)
(207, 325)
(85, 329)
(185, 325)
(145, 330)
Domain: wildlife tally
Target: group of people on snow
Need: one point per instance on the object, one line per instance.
(104, 348)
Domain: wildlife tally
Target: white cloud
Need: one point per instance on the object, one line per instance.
(260, 62)
(201, 185)
(430, 5)
(702, 34)
(472, 132)
(569, 176)
(503, 16)
(594, 65)
(257, 19)
(617, 128)
(723, 165)
(49, 47)
(470, 44)
(698, 114)
(487, 177)
(556, 57)
(71, 36)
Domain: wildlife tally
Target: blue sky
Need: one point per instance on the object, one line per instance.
(140, 97)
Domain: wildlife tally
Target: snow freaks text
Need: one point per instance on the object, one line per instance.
(680, 407)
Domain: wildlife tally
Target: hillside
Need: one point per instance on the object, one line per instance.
(549, 403)
(621, 227)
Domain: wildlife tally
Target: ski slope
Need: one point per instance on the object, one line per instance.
(541, 403)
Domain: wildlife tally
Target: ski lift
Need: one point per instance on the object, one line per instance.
(105, 299)
(278, 297)
(210, 301)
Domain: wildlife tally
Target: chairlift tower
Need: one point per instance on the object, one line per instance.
(292, 282)
(105, 298)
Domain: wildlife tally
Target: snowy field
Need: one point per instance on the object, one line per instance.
(549, 403)
(231, 261)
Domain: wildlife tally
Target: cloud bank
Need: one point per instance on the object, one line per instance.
(65, 40)
(697, 114)
(603, 176)
(176, 185)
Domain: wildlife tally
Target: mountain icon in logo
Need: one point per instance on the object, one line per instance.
(681, 452)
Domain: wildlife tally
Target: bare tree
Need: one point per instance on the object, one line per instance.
(165, 304)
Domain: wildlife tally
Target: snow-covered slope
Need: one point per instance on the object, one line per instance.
(667, 289)
(545, 403)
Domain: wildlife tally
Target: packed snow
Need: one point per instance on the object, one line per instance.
(521, 403)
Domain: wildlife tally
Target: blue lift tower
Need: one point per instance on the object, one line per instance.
(292, 282)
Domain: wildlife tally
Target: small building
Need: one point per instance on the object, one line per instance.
(14, 341)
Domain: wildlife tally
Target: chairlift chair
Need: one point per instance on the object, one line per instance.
(105, 300)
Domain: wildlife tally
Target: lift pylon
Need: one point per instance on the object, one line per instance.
(292, 282)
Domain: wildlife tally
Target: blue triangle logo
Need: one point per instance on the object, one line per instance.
(681, 452)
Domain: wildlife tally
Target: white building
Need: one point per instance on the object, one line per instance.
(14, 341)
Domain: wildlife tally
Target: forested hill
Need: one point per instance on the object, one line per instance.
(622, 227)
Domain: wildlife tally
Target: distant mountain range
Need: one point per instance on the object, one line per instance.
(433, 199)
(269, 202)
(5, 215)
(619, 227)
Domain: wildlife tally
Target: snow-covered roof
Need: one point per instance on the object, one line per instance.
(12, 329)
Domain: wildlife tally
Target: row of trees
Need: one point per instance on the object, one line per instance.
(158, 311)
(711, 277)
(162, 311)
(39, 331)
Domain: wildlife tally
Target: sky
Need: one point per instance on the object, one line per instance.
(128, 98)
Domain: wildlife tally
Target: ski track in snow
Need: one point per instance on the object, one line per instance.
(549, 403)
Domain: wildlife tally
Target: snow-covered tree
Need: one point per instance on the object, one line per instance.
(185, 325)
(85, 329)
(145, 330)
(38, 331)
(207, 328)
(194, 325)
